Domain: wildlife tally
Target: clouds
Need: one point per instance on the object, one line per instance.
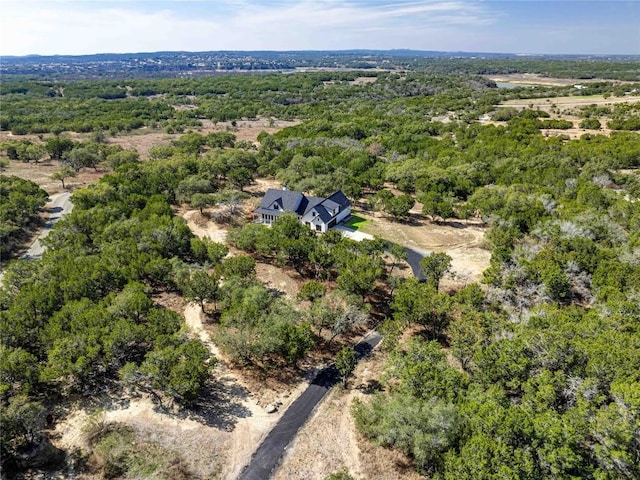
(77, 27)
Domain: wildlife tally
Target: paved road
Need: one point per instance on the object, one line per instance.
(413, 255)
(267, 457)
(58, 206)
(413, 259)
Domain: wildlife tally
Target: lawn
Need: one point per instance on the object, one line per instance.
(356, 223)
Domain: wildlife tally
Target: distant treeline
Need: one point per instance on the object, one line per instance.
(175, 104)
(145, 65)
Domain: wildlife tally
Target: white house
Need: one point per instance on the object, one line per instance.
(317, 213)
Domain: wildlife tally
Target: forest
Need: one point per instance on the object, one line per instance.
(532, 373)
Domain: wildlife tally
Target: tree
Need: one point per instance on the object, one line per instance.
(22, 423)
(420, 303)
(359, 275)
(65, 172)
(346, 362)
(56, 147)
(399, 254)
(437, 205)
(177, 371)
(296, 341)
(398, 207)
(200, 201)
(80, 157)
(434, 266)
(200, 287)
(312, 290)
(240, 266)
(240, 177)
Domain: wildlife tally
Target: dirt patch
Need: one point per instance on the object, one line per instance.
(201, 226)
(40, 174)
(573, 101)
(329, 441)
(565, 108)
(247, 129)
(462, 241)
(536, 79)
(284, 280)
(363, 80)
(143, 140)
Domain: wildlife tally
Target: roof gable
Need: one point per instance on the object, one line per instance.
(287, 200)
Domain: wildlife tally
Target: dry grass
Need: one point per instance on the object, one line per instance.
(463, 241)
(329, 442)
(536, 79)
(565, 108)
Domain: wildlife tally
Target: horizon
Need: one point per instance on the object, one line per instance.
(528, 27)
(400, 52)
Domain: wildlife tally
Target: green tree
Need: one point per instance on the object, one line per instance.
(178, 372)
(201, 201)
(398, 207)
(346, 362)
(56, 146)
(200, 287)
(312, 290)
(360, 274)
(398, 253)
(64, 173)
(240, 177)
(434, 266)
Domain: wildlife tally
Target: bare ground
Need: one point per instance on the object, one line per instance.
(329, 442)
(40, 174)
(566, 108)
(462, 241)
(537, 79)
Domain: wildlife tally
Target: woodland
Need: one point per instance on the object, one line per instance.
(532, 373)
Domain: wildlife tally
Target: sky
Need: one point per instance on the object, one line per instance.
(75, 27)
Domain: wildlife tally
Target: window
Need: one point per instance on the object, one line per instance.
(318, 228)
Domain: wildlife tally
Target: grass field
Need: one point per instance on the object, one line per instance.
(356, 223)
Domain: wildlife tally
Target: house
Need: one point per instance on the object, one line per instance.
(317, 213)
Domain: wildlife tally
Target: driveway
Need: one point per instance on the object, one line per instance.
(58, 206)
(267, 457)
(414, 255)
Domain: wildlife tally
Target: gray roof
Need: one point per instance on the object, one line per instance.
(300, 204)
(286, 199)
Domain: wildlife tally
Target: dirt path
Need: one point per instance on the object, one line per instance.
(203, 227)
(255, 423)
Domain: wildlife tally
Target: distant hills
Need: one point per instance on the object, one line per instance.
(188, 64)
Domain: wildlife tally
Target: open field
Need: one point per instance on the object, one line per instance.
(41, 175)
(537, 79)
(566, 108)
(567, 102)
(462, 241)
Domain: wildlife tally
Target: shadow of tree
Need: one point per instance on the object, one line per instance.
(219, 405)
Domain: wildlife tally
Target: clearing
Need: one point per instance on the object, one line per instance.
(537, 79)
(329, 442)
(566, 108)
(462, 241)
